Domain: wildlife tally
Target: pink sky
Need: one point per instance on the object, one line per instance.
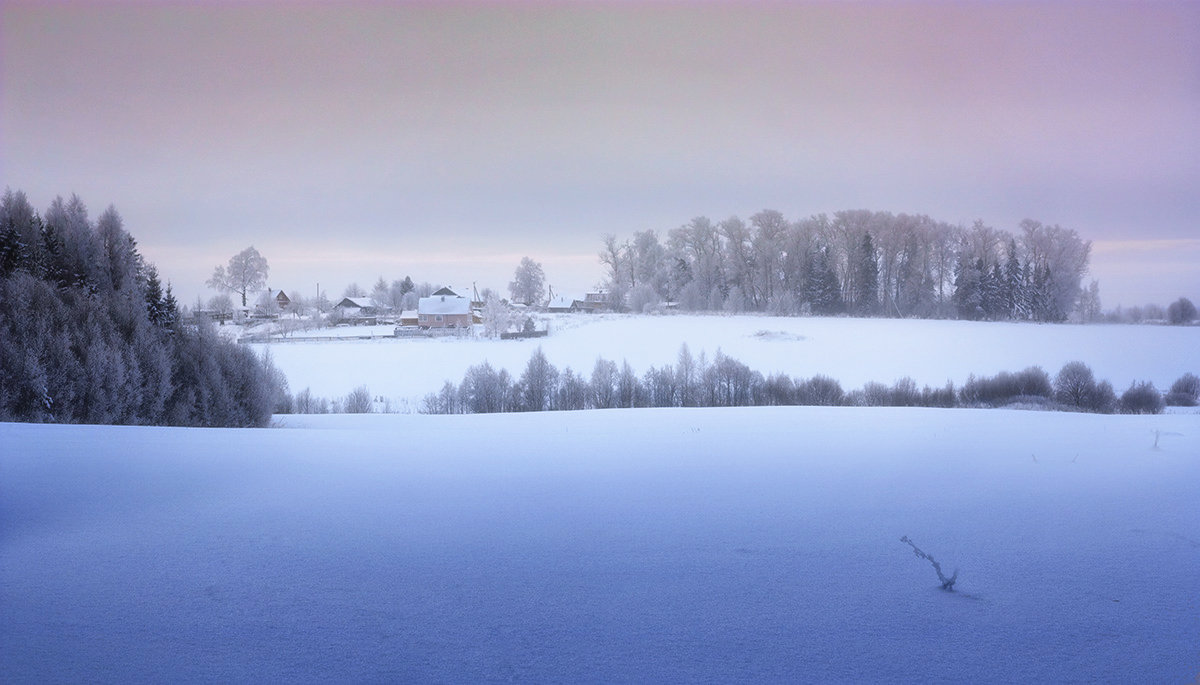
(445, 141)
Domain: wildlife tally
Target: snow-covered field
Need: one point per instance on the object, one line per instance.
(853, 351)
(700, 545)
(676, 545)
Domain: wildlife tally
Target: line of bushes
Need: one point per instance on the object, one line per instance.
(727, 382)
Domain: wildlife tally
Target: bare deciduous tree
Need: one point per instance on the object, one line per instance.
(247, 272)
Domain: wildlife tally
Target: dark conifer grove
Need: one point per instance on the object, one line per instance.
(89, 334)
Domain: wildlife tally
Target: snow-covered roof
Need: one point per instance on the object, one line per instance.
(408, 314)
(561, 302)
(443, 304)
(446, 291)
(360, 302)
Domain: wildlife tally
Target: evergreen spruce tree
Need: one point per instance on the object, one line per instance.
(1039, 294)
(170, 310)
(154, 297)
(13, 254)
(992, 292)
(968, 297)
(1013, 284)
(866, 300)
(823, 292)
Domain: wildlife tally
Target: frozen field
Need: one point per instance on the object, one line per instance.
(700, 545)
(853, 351)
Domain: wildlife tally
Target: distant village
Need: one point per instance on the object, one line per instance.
(444, 311)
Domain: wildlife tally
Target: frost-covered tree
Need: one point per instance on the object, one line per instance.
(642, 298)
(538, 383)
(529, 283)
(90, 336)
(497, 317)
(1089, 303)
(573, 392)
(156, 307)
(604, 384)
(247, 272)
(381, 293)
(483, 390)
(1063, 256)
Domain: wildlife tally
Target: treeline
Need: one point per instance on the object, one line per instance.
(727, 382)
(857, 262)
(88, 334)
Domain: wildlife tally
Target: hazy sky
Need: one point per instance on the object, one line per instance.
(445, 141)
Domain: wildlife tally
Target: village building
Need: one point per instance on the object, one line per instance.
(593, 302)
(359, 310)
(444, 311)
(561, 304)
(280, 298)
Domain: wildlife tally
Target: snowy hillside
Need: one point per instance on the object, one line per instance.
(702, 545)
(853, 351)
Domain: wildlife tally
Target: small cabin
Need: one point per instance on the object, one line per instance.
(359, 310)
(281, 298)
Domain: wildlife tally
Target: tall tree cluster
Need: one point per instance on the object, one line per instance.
(856, 262)
(88, 333)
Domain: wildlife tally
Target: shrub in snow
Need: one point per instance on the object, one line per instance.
(1075, 386)
(947, 583)
(945, 397)
(873, 394)
(358, 401)
(1181, 311)
(306, 403)
(1141, 398)
(1104, 401)
(1185, 392)
(904, 393)
(779, 390)
(819, 391)
(1005, 388)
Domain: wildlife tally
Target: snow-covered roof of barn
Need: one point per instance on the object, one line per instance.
(360, 302)
(444, 304)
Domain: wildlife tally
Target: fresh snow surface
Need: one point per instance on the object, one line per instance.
(679, 545)
(853, 351)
